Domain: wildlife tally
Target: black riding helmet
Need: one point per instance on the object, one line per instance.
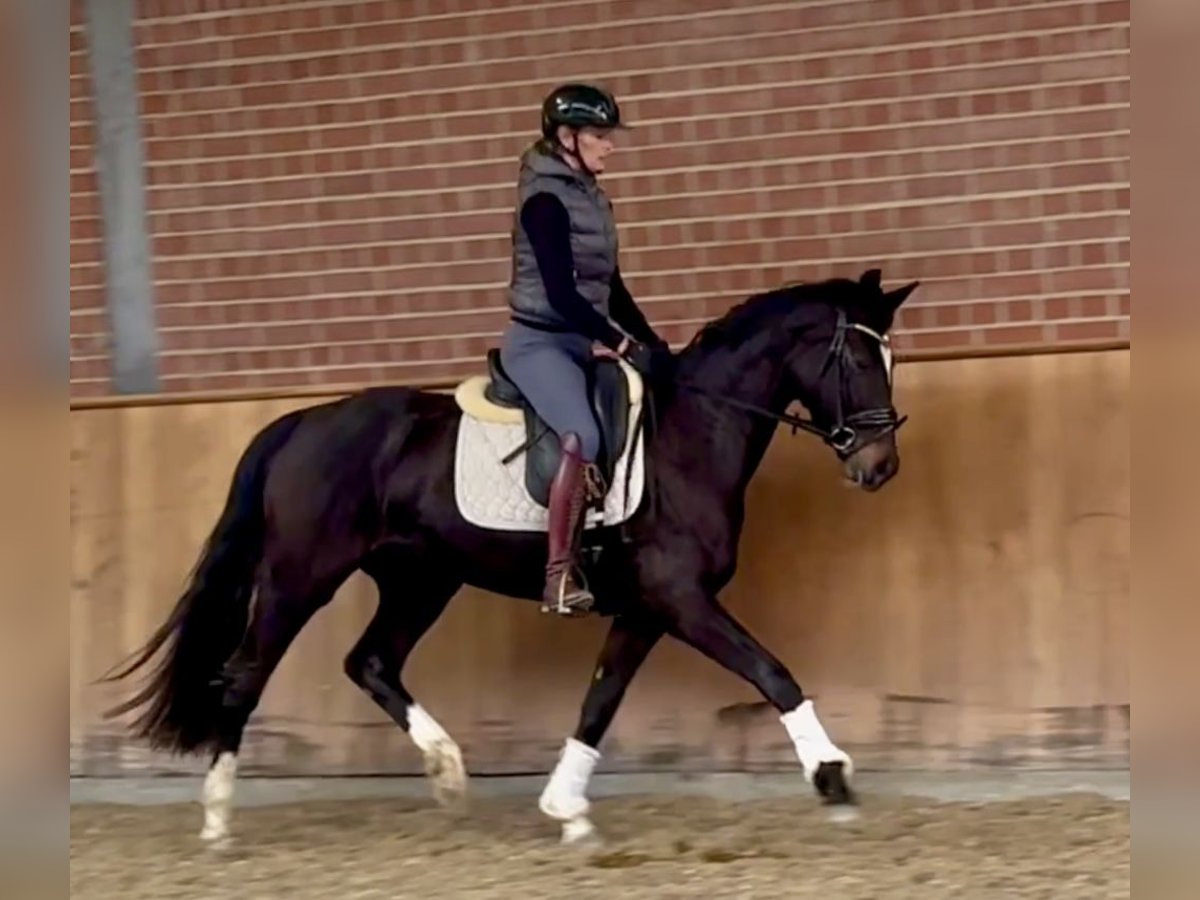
(577, 106)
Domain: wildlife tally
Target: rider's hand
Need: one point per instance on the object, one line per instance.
(651, 362)
(662, 360)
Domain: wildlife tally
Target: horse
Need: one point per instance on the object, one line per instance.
(366, 482)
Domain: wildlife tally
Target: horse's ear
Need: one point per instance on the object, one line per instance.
(871, 278)
(893, 299)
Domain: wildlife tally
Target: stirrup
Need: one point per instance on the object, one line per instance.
(568, 612)
(575, 606)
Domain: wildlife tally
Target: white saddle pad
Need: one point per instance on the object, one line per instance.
(493, 495)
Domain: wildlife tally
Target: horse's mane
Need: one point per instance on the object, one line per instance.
(767, 308)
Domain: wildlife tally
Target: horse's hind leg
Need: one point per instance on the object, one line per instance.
(277, 616)
(411, 597)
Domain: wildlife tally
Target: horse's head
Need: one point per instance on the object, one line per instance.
(841, 370)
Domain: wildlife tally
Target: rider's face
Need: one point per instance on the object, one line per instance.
(592, 144)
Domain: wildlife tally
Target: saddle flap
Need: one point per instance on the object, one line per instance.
(609, 396)
(610, 403)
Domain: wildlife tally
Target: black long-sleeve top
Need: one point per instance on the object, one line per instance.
(545, 220)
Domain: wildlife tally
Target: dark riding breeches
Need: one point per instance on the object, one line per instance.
(549, 368)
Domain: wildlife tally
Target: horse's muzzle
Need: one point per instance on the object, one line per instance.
(873, 466)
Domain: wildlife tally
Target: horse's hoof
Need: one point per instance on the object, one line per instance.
(215, 838)
(454, 801)
(843, 814)
(831, 785)
(581, 833)
(447, 775)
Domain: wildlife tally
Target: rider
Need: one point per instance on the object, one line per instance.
(566, 293)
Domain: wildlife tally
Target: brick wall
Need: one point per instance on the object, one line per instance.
(330, 183)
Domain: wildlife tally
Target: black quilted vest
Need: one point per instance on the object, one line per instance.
(593, 237)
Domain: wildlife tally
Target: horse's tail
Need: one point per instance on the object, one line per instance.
(182, 699)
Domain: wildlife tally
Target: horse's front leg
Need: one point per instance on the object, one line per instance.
(628, 643)
(701, 622)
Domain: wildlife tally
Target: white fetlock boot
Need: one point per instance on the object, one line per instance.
(218, 799)
(565, 795)
(813, 745)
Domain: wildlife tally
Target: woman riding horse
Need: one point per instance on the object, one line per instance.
(566, 293)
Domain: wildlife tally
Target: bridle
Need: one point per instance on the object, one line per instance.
(849, 433)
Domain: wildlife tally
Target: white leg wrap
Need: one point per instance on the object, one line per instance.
(443, 758)
(565, 795)
(424, 729)
(218, 797)
(813, 745)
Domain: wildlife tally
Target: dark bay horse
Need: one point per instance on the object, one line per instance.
(366, 482)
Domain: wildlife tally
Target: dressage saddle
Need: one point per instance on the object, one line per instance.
(608, 390)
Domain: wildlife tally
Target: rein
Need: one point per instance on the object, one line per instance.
(796, 423)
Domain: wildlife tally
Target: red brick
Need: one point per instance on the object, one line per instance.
(91, 368)
(1025, 335)
(937, 340)
(1088, 332)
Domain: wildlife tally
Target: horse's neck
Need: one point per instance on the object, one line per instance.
(717, 441)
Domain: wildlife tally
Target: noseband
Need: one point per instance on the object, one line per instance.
(849, 433)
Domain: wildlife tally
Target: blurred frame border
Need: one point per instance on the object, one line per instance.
(34, 447)
(1166, 478)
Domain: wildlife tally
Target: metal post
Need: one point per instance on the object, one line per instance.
(120, 169)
